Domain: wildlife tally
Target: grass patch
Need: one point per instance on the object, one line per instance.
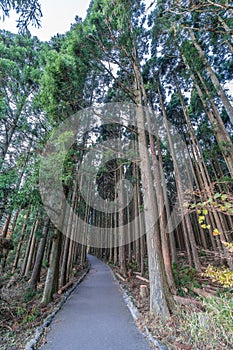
(212, 329)
(191, 328)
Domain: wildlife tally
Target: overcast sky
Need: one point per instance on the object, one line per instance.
(57, 17)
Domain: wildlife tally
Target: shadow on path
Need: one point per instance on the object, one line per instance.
(95, 317)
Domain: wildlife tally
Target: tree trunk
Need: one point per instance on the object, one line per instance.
(187, 226)
(161, 301)
(213, 77)
(29, 246)
(51, 284)
(122, 256)
(6, 226)
(31, 251)
(23, 232)
(39, 257)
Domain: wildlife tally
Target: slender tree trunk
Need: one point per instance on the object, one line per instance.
(217, 123)
(225, 26)
(39, 257)
(23, 232)
(29, 247)
(160, 204)
(51, 284)
(161, 301)
(31, 251)
(188, 226)
(15, 220)
(136, 218)
(66, 247)
(6, 226)
(213, 77)
(122, 256)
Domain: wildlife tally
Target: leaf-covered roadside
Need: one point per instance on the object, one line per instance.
(21, 310)
(195, 317)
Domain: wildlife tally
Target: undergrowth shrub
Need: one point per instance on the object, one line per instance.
(212, 329)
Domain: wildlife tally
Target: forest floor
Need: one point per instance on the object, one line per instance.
(203, 319)
(21, 311)
(198, 323)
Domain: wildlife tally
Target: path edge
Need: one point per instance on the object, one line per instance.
(131, 304)
(30, 345)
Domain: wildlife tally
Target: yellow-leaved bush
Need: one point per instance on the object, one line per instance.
(222, 275)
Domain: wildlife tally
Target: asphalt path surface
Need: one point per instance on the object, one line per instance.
(95, 317)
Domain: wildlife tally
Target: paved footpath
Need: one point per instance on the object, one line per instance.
(95, 317)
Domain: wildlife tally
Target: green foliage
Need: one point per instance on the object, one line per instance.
(21, 122)
(7, 181)
(132, 265)
(63, 80)
(184, 276)
(45, 264)
(29, 318)
(141, 208)
(29, 12)
(21, 310)
(28, 295)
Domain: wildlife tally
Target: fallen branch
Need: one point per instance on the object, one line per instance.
(210, 289)
(137, 273)
(8, 327)
(120, 277)
(187, 301)
(201, 292)
(142, 279)
(65, 287)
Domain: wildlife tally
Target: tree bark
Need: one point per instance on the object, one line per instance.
(23, 232)
(213, 77)
(161, 301)
(39, 257)
(51, 283)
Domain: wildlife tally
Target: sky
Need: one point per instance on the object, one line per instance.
(57, 17)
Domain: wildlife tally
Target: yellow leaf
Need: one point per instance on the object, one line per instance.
(216, 232)
(201, 219)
